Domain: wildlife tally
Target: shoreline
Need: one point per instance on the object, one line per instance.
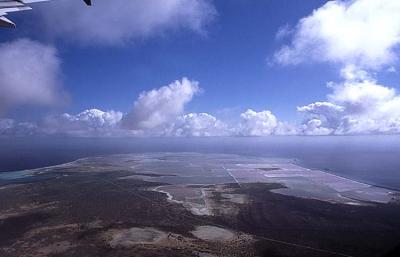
(294, 161)
(332, 172)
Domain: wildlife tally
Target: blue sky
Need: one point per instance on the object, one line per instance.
(232, 58)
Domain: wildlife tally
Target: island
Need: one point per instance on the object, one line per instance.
(193, 204)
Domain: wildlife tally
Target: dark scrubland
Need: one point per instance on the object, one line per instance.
(69, 215)
(370, 230)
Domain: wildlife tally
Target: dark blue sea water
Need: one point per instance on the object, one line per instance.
(371, 159)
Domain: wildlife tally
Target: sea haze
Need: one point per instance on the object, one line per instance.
(371, 159)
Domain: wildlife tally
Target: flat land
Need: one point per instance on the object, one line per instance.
(188, 204)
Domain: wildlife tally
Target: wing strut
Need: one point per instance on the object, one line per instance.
(6, 23)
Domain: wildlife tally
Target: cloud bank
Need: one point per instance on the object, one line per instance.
(158, 112)
(29, 74)
(354, 107)
(10, 127)
(122, 21)
(92, 122)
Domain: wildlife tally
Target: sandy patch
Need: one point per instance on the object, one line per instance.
(133, 236)
(212, 233)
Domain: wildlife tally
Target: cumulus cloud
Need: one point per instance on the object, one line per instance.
(254, 123)
(95, 122)
(263, 123)
(355, 107)
(121, 21)
(315, 127)
(91, 122)
(98, 123)
(362, 37)
(159, 107)
(29, 74)
(156, 112)
(364, 33)
(324, 112)
(199, 125)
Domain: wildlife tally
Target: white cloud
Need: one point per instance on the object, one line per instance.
(355, 107)
(159, 107)
(199, 125)
(91, 122)
(363, 37)
(254, 123)
(283, 32)
(29, 74)
(322, 107)
(263, 123)
(155, 113)
(121, 21)
(97, 123)
(325, 112)
(10, 127)
(361, 97)
(286, 129)
(314, 127)
(364, 33)
(351, 73)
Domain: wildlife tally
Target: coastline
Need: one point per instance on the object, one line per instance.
(299, 181)
(295, 161)
(330, 171)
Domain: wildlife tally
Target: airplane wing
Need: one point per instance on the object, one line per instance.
(7, 6)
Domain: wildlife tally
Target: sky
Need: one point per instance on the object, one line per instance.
(201, 68)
